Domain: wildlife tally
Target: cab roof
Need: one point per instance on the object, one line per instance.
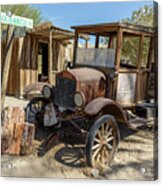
(113, 28)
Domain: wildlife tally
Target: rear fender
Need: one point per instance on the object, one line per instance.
(107, 106)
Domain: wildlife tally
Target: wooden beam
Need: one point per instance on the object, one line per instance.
(96, 30)
(136, 32)
(7, 63)
(50, 56)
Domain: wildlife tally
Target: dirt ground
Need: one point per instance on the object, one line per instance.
(134, 159)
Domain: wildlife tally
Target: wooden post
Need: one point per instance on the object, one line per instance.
(50, 57)
(150, 54)
(117, 61)
(118, 48)
(97, 41)
(110, 43)
(20, 53)
(149, 64)
(7, 62)
(139, 67)
(140, 51)
(75, 47)
(86, 43)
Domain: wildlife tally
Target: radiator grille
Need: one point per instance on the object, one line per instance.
(64, 92)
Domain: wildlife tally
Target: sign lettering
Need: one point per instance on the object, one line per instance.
(16, 20)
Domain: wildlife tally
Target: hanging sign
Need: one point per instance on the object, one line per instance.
(16, 20)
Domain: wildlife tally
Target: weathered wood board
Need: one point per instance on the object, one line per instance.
(126, 88)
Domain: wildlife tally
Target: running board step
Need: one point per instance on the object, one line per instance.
(138, 122)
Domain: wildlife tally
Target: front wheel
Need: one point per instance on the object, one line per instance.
(35, 110)
(102, 142)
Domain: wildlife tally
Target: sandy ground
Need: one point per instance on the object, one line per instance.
(134, 159)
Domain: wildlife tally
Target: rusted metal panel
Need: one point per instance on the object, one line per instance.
(87, 74)
(96, 105)
(35, 87)
(108, 106)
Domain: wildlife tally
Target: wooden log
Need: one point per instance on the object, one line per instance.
(10, 115)
(14, 149)
(17, 136)
(21, 142)
(6, 140)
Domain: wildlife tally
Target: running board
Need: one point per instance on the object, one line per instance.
(137, 123)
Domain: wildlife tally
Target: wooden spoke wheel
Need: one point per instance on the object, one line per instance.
(102, 142)
(35, 110)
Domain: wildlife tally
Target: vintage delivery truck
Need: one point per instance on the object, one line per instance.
(105, 87)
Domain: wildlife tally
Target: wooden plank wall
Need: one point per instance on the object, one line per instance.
(12, 85)
(28, 65)
(59, 58)
(23, 69)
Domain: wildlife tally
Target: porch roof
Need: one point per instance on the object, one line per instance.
(44, 29)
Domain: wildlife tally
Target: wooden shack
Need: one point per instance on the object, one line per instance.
(36, 57)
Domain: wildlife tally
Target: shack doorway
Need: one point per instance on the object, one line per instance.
(42, 62)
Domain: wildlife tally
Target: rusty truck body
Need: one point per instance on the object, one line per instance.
(103, 88)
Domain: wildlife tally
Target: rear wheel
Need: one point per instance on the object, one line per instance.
(102, 142)
(35, 110)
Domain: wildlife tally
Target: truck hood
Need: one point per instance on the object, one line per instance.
(89, 81)
(87, 74)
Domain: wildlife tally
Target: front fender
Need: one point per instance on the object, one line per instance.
(107, 106)
(38, 86)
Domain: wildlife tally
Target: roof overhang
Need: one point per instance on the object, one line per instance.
(112, 28)
(43, 30)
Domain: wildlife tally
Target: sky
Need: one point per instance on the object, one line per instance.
(65, 15)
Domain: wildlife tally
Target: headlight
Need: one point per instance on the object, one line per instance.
(47, 92)
(79, 99)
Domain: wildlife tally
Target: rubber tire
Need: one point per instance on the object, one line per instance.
(92, 132)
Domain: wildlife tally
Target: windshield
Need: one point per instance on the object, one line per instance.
(101, 57)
